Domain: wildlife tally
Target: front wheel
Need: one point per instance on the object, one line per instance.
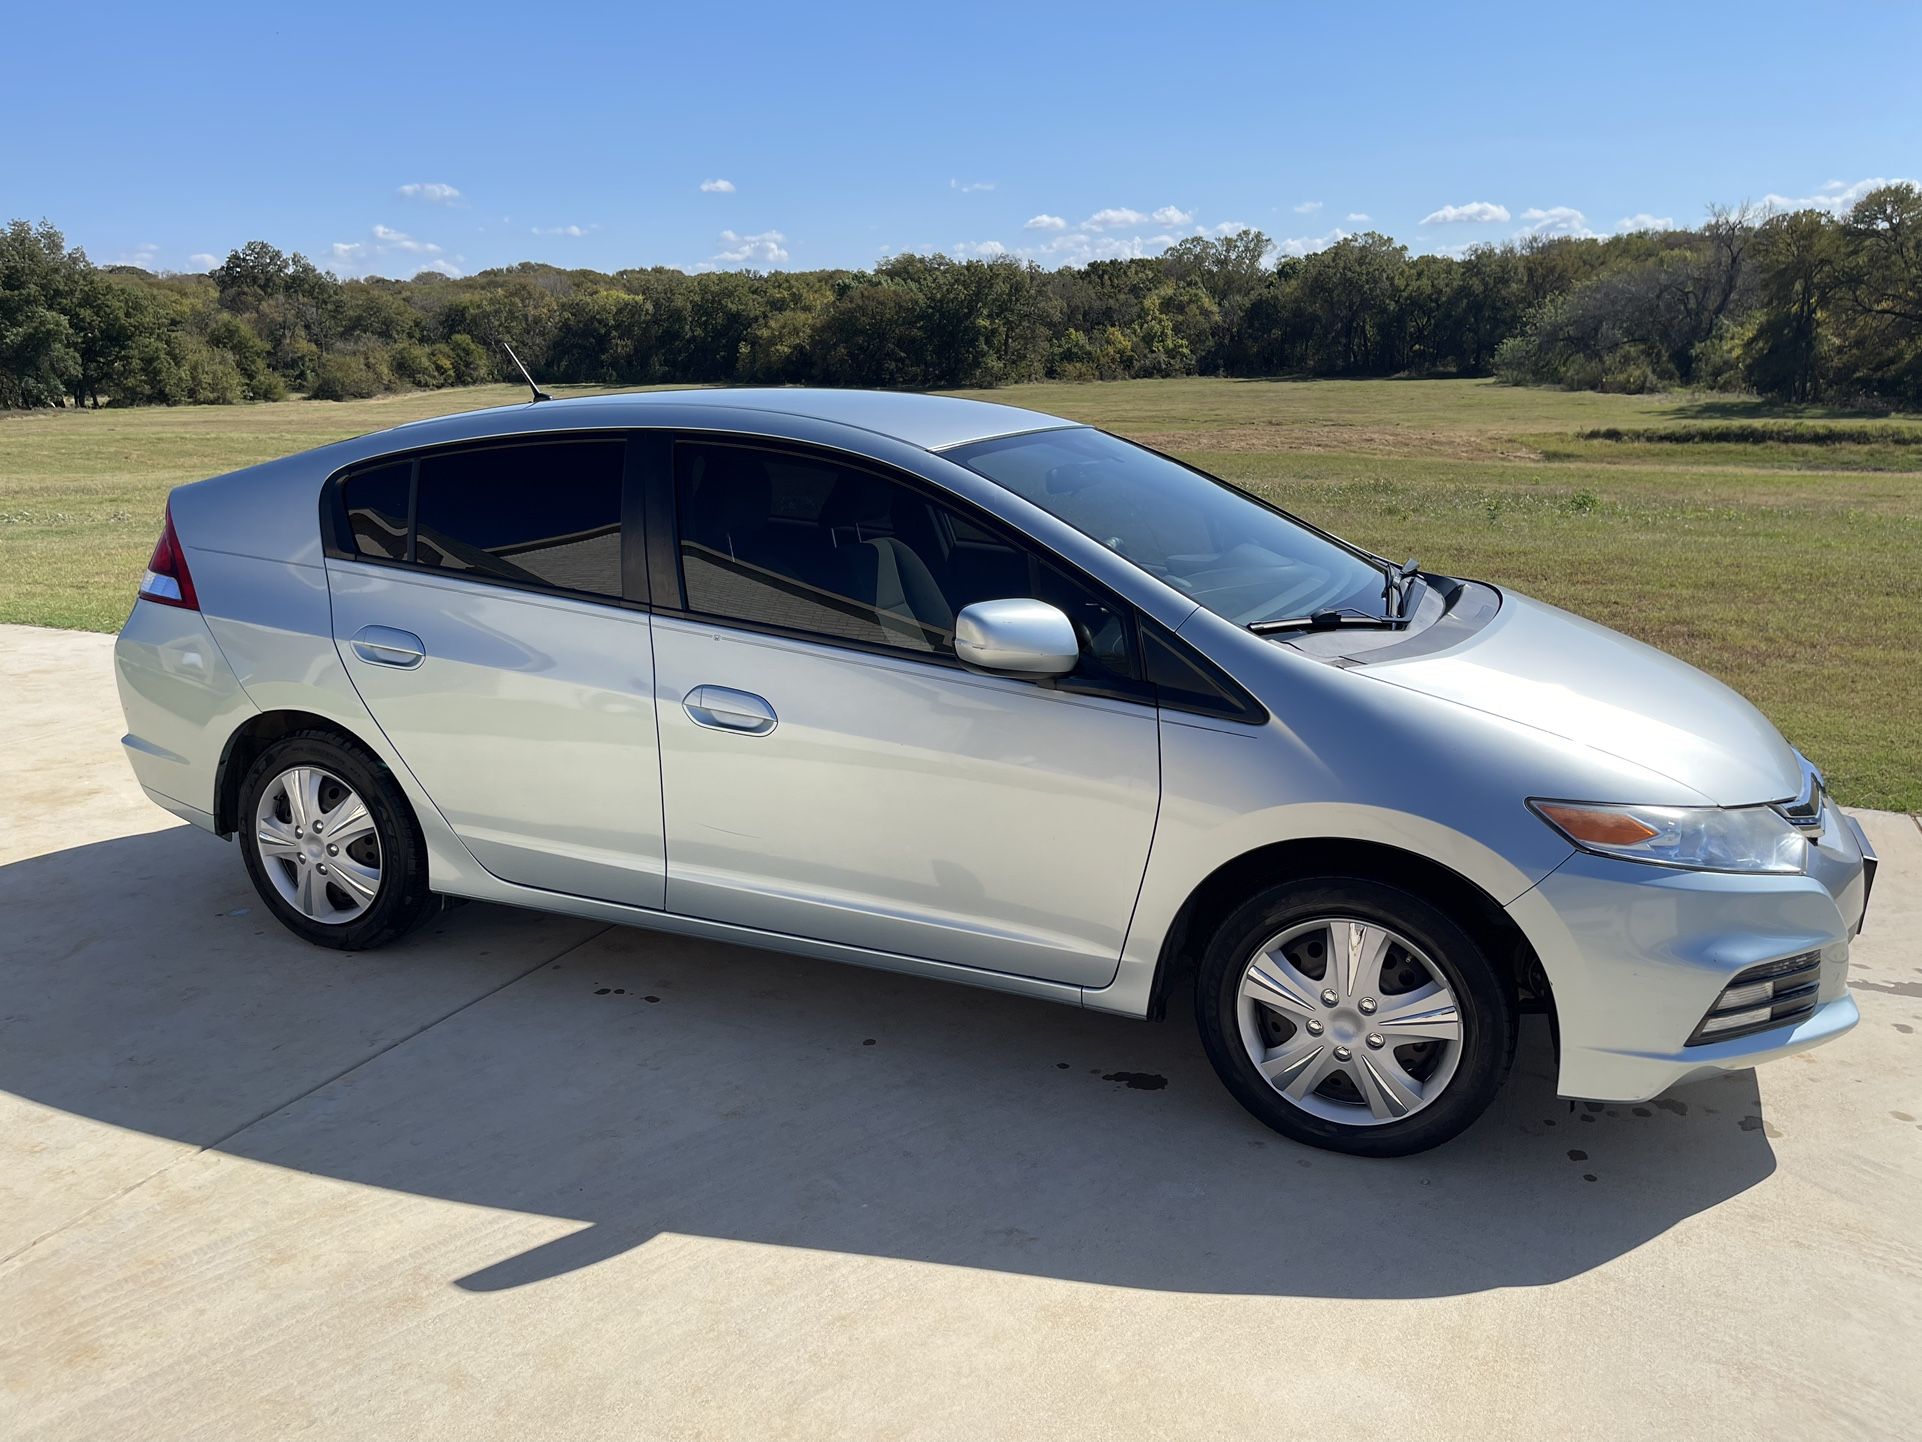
(1352, 1015)
(330, 843)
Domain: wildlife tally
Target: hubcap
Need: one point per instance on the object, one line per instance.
(1349, 1021)
(318, 845)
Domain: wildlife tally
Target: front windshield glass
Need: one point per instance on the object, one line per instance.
(1225, 549)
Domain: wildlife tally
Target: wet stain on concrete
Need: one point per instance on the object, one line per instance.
(1587, 1117)
(1669, 1104)
(1643, 1112)
(1061, 1066)
(1588, 1176)
(1754, 1123)
(867, 1041)
(1902, 1116)
(1138, 1081)
(1905, 1029)
(1577, 1155)
(1893, 988)
(602, 990)
(650, 998)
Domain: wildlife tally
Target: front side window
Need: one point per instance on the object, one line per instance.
(1216, 544)
(545, 513)
(809, 544)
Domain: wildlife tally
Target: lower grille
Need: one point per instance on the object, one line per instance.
(1772, 994)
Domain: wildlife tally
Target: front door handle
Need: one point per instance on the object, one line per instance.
(721, 708)
(385, 646)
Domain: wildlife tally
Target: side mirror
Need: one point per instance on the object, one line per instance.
(1016, 638)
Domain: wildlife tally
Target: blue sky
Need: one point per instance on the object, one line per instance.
(380, 139)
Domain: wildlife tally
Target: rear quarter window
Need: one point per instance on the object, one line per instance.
(377, 510)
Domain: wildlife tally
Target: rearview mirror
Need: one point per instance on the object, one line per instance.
(1016, 638)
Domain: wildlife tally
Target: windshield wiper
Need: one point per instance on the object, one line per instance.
(1395, 590)
(1330, 620)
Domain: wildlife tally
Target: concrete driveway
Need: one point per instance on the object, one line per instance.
(527, 1177)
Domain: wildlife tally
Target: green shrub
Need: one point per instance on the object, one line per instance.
(345, 376)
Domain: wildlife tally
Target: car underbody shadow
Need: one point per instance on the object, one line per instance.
(643, 1084)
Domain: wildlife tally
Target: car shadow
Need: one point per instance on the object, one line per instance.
(643, 1084)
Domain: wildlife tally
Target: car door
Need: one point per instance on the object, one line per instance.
(829, 770)
(481, 607)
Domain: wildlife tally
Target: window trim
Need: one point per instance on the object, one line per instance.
(337, 543)
(669, 596)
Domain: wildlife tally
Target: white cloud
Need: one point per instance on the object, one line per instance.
(967, 186)
(391, 239)
(573, 231)
(201, 260)
(1122, 218)
(1045, 222)
(767, 248)
(365, 255)
(1077, 247)
(430, 190)
(146, 255)
(980, 249)
(1359, 217)
(1556, 220)
(1835, 195)
(1479, 212)
(1642, 220)
(1231, 227)
(1309, 244)
(443, 267)
(1308, 207)
(718, 187)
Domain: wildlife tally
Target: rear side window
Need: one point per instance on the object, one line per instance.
(544, 513)
(377, 510)
(547, 515)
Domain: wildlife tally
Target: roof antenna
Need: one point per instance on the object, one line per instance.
(539, 394)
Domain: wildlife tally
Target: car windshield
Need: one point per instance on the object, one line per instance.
(1239, 558)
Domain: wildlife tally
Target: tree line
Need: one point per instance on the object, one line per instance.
(1805, 305)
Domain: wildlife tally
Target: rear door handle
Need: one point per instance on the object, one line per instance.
(385, 646)
(721, 708)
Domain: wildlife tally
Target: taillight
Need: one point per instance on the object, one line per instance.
(168, 580)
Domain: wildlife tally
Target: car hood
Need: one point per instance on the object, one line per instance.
(1558, 673)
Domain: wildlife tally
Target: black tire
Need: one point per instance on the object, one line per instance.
(1485, 999)
(402, 898)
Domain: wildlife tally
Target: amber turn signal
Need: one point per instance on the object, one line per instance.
(1601, 828)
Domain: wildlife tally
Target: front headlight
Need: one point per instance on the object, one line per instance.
(1701, 838)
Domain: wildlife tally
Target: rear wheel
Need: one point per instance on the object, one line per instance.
(330, 843)
(1351, 1015)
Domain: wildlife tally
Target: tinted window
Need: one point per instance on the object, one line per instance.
(1239, 558)
(816, 546)
(377, 510)
(545, 514)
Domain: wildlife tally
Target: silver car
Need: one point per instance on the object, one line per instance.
(977, 693)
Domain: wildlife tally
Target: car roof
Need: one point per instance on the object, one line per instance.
(933, 423)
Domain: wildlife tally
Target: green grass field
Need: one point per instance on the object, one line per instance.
(1761, 549)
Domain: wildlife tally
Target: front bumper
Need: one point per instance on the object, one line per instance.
(1636, 955)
